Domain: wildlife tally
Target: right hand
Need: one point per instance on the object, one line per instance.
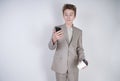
(57, 35)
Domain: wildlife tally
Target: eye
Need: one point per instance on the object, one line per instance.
(66, 14)
(71, 14)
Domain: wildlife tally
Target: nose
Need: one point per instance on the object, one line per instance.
(68, 17)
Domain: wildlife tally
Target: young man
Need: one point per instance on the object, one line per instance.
(68, 45)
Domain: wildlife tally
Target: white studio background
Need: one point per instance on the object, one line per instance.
(26, 28)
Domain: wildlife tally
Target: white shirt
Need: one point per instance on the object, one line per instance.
(69, 30)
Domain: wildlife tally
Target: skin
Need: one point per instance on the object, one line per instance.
(68, 17)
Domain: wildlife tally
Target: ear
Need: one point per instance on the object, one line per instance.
(74, 17)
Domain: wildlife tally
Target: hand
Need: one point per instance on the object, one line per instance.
(57, 35)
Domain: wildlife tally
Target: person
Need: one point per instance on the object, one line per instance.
(67, 44)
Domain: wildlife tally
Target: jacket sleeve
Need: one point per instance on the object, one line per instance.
(80, 50)
(51, 45)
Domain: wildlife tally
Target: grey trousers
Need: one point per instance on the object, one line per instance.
(68, 76)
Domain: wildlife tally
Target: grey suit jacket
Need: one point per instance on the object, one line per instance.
(67, 54)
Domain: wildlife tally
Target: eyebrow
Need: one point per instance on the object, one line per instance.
(70, 13)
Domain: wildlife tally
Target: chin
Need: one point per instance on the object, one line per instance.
(69, 22)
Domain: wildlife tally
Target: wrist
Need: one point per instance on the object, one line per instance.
(54, 40)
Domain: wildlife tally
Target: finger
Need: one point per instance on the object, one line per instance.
(60, 36)
(59, 33)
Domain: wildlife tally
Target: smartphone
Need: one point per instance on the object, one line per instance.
(57, 28)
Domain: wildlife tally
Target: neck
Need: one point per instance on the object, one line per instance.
(69, 25)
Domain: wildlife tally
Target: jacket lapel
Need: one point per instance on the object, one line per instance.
(66, 34)
(73, 35)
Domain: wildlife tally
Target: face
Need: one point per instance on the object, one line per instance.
(69, 16)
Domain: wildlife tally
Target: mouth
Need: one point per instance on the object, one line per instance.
(68, 20)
